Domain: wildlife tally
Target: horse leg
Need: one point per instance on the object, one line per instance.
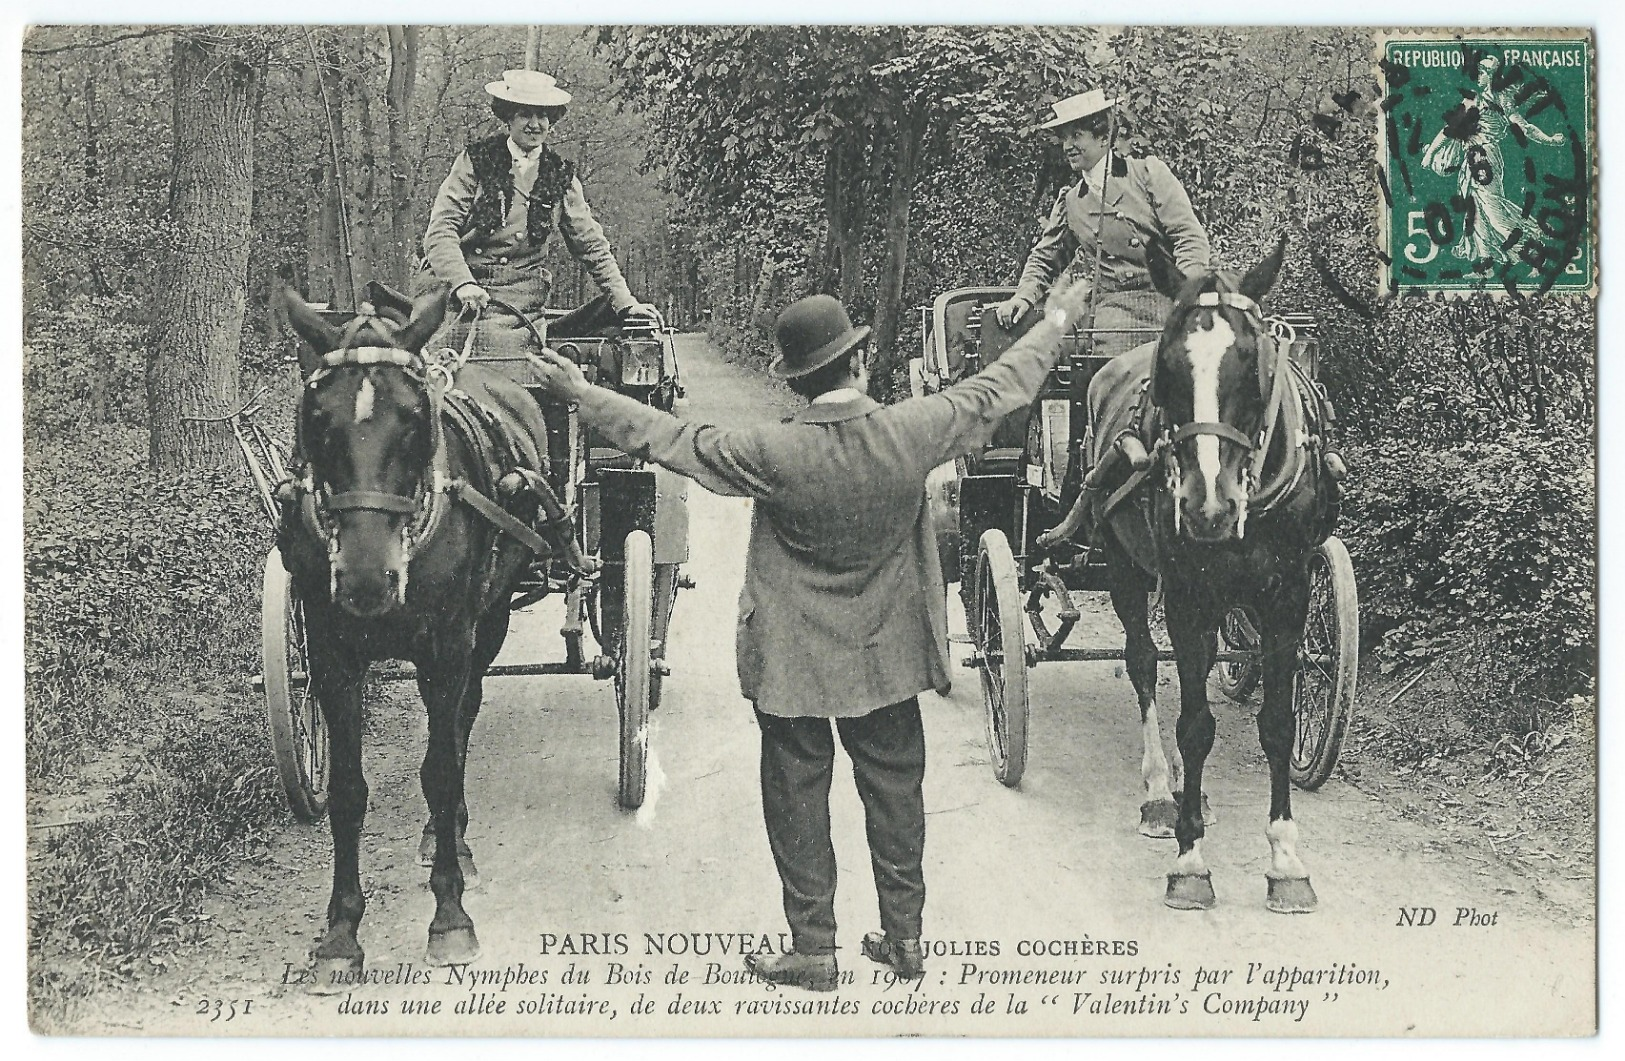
(443, 680)
(489, 635)
(1129, 587)
(1190, 885)
(337, 681)
(1289, 889)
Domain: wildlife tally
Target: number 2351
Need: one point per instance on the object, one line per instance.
(223, 1008)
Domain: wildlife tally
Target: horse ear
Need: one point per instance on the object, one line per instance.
(1166, 276)
(427, 313)
(1261, 277)
(319, 336)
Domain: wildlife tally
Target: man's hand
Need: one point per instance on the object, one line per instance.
(1010, 311)
(558, 376)
(642, 311)
(473, 296)
(1069, 296)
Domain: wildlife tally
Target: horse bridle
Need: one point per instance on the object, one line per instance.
(425, 504)
(1257, 447)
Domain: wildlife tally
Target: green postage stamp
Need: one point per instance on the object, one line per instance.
(1487, 168)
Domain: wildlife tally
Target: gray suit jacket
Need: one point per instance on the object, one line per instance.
(842, 610)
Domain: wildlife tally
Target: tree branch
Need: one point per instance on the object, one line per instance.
(148, 32)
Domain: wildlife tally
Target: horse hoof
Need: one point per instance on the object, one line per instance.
(333, 975)
(1291, 895)
(456, 946)
(1157, 818)
(1190, 891)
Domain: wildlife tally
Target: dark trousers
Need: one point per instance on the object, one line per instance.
(887, 747)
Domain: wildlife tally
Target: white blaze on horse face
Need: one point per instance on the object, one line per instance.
(363, 400)
(1205, 349)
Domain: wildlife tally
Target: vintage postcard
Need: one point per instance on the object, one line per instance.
(475, 477)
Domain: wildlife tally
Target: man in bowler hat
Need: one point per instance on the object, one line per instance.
(842, 615)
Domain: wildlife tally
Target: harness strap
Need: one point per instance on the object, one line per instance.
(1218, 428)
(496, 514)
(371, 501)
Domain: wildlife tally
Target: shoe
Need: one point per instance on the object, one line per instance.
(814, 972)
(902, 956)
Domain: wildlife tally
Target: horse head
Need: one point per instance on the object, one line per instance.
(368, 431)
(1211, 381)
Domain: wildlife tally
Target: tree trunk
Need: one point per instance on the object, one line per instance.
(533, 47)
(192, 371)
(889, 297)
(403, 75)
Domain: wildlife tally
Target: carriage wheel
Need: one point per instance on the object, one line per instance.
(1239, 633)
(298, 730)
(632, 672)
(665, 598)
(1323, 694)
(999, 632)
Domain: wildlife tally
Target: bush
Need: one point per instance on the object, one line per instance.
(1499, 535)
(141, 627)
(128, 578)
(85, 364)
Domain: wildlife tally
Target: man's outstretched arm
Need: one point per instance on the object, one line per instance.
(723, 461)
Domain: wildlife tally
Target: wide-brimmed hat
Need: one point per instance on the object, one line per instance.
(1076, 108)
(528, 88)
(811, 333)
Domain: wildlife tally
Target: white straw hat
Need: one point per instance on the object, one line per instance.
(1075, 108)
(528, 88)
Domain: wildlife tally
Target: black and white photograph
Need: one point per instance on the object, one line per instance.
(729, 529)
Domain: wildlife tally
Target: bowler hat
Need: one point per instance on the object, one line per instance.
(1076, 108)
(528, 88)
(811, 333)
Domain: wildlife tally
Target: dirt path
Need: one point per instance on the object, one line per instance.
(1057, 862)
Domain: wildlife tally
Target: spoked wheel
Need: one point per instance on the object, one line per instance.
(665, 599)
(298, 730)
(999, 632)
(632, 671)
(1238, 632)
(1328, 659)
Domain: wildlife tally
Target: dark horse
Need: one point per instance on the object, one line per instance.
(398, 552)
(1209, 472)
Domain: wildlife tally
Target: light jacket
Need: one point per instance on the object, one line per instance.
(1145, 203)
(843, 609)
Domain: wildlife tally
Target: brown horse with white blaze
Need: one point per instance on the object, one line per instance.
(389, 566)
(1217, 487)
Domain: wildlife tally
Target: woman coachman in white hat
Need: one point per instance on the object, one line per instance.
(500, 204)
(1130, 208)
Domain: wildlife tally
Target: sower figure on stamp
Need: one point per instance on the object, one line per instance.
(1121, 209)
(842, 615)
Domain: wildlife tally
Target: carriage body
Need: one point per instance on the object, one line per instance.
(990, 507)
